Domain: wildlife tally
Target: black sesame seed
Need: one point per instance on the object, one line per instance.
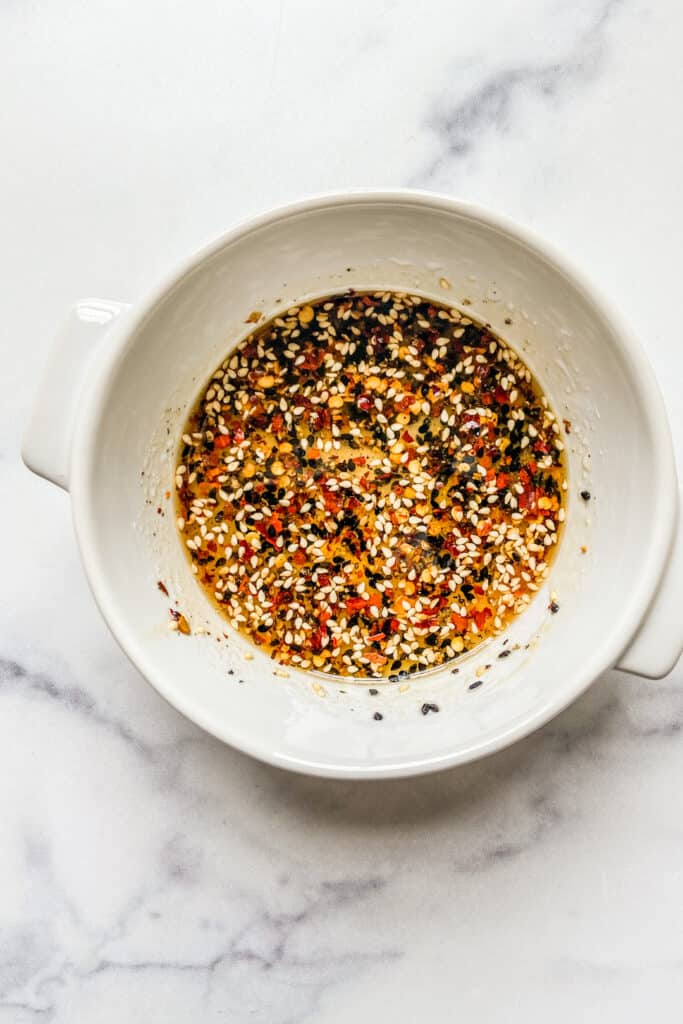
(586, 495)
(505, 654)
(554, 607)
(426, 708)
(373, 692)
(378, 716)
(347, 521)
(477, 683)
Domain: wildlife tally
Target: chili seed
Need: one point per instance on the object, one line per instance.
(366, 484)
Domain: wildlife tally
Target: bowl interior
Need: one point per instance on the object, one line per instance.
(135, 408)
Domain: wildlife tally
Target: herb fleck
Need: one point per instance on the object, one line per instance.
(370, 485)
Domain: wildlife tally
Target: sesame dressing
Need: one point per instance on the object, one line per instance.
(371, 484)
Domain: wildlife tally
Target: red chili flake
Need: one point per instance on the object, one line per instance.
(313, 361)
(263, 528)
(450, 545)
(338, 529)
(331, 500)
(320, 418)
(527, 499)
(317, 637)
(481, 617)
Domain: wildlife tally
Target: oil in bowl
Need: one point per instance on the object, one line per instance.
(371, 484)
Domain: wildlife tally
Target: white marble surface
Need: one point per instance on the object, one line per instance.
(148, 874)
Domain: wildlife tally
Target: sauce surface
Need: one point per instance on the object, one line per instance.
(371, 484)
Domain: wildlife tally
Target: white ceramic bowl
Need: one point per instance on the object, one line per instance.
(122, 380)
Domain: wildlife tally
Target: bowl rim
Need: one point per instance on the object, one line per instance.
(108, 356)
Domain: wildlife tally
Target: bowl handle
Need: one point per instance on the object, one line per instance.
(658, 643)
(46, 446)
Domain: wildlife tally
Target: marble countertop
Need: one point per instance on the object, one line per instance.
(149, 874)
